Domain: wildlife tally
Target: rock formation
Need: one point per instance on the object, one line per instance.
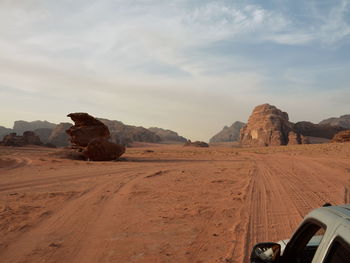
(20, 126)
(4, 131)
(167, 136)
(44, 134)
(125, 134)
(58, 136)
(294, 138)
(28, 138)
(100, 149)
(90, 136)
(342, 121)
(85, 129)
(266, 126)
(343, 136)
(317, 130)
(228, 134)
(196, 144)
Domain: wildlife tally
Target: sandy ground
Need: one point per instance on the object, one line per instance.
(162, 203)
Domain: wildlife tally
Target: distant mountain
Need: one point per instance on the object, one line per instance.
(43, 133)
(168, 135)
(228, 134)
(126, 134)
(21, 126)
(4, 131)
(342, 121)
(58, 136)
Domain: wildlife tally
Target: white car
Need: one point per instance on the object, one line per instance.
(322, 237)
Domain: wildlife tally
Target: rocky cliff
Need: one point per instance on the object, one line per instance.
(266, 126)
(228, 134)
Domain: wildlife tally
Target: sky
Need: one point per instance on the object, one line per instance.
(192, 66)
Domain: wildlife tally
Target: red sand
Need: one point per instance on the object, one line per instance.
(175, 204)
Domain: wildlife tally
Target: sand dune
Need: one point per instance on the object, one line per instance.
(163, 203)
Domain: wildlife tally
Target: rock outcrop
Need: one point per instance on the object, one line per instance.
(28, 138)
(58, 136)
(86, 128)
(21, 126)
(266, 126)
(167, 136)
(342, 121)
(196, 144)
(317, 130)
(343, 136)
(228, 134)
(90, 136)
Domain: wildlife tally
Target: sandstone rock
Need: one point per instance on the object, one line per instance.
(168, 136)
(343, 136)
(317, 130)
(85, 129)
(342, 121)
(100, 149)
(196, 144)
(58, 136)
(90, 136)
(266, 126)
(228, 134)
(294, 138)
(28, 138)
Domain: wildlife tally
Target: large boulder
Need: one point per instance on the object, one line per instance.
(228, 134)
(343, 136)
(168, 136)
(266, 126)
(90, 136)
(58, 136)
(85, 129)
(100, 149)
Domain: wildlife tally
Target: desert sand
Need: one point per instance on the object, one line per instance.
(162, 203)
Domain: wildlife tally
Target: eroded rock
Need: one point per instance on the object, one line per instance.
(266, 126)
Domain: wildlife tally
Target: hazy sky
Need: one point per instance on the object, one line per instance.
(192, 66)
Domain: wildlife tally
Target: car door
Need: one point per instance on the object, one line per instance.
(338, 250)
(305, 242)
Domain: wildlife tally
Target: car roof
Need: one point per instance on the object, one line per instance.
(339, 210)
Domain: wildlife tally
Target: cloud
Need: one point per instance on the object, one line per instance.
(142, 61)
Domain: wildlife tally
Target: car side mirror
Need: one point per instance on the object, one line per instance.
(265, 253)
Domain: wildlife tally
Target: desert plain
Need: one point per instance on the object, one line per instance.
(162, 203)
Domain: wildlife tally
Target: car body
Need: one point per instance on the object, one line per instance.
(307, 245)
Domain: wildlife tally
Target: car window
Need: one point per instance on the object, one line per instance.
(338, 253)
(303, 245)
